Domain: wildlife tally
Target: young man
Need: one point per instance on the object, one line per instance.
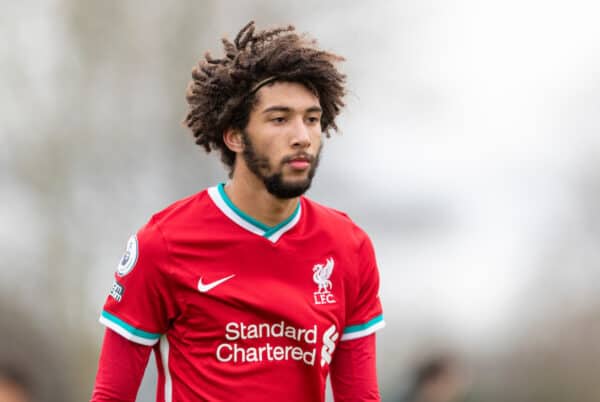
(248, 291)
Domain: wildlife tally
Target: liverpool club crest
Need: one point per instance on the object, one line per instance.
(321, 275)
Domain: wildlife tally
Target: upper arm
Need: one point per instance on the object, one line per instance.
(365, 314)
(353, 367)
(141, 305)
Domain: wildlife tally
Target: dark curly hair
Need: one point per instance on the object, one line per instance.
(223, 91)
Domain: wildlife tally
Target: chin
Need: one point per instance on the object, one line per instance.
(301, 182)
(288, 188)
(296, 181)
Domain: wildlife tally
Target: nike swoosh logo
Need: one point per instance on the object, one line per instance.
(205, 287)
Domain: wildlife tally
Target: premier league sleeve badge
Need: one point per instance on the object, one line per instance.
(129, 257)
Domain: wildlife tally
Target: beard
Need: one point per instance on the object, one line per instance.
(273, 181)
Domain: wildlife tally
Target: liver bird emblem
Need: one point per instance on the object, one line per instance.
(321, 275)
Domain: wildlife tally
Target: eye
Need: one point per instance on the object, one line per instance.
(278, 119)
(313, 119)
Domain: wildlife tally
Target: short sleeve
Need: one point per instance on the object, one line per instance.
(139, 305)
(366, 314)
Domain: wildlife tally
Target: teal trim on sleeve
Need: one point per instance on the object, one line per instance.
(132, 330)
(362, 327)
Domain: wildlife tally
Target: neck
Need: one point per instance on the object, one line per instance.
(248, 193)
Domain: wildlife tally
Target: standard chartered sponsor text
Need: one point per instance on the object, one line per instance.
(237, 349)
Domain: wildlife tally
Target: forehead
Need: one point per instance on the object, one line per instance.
(287, 94)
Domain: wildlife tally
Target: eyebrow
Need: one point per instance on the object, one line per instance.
(286, 109)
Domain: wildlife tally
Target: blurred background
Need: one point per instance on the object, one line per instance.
(469, 151)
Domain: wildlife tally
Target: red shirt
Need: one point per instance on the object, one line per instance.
(240, 311)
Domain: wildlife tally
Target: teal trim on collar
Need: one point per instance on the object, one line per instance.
(285, 222)
(268, 230)
(238, 211)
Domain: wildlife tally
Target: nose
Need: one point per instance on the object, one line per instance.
(300, 137)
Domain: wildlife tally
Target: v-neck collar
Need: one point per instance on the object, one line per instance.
(272, 233)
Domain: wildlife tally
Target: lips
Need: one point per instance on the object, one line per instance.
(300, 162)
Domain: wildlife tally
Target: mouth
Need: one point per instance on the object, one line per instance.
(299, 162)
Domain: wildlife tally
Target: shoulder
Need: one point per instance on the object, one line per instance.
(324, 212)
(179, 210)
(333, 220)
(175, 217)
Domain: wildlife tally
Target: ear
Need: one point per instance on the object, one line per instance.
(233, 140)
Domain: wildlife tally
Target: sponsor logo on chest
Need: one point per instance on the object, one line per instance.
(261, 342)
(321, 275)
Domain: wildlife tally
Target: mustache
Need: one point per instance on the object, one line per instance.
(302, 155)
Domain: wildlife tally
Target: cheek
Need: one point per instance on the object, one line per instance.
(278, 142)
(272, 150)
(274, 145)
(316, 140)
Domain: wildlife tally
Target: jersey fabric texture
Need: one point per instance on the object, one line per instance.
(237, 310)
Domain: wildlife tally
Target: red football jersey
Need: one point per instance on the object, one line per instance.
(237, 310)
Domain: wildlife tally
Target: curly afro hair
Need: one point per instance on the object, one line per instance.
(223, 91)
